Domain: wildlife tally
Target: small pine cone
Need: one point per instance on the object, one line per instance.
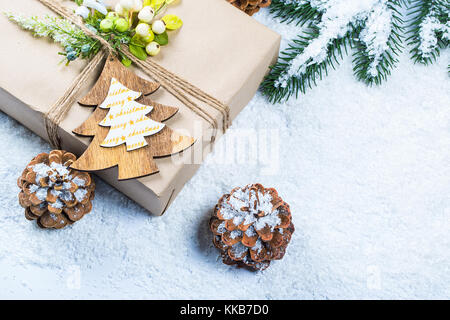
(250, 6)
(53, 194)
(252, 226)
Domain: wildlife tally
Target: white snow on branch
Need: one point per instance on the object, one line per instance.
(320, 5)
(338, 19)
(429, 28)
(376, 35)
(60, 30)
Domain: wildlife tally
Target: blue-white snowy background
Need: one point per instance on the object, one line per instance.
(365, 170)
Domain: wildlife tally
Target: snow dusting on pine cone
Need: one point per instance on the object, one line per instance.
(252, 226)
(250, 7)
(53, 194)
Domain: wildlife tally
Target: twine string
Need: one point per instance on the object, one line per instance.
(58, 111)
(175, 85)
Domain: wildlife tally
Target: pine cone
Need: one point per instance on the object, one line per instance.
(53, 194)
(250, 6)
(252, 226)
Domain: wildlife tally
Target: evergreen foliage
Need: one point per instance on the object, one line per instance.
(373, 31)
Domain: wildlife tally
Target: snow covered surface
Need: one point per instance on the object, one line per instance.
(365, 170)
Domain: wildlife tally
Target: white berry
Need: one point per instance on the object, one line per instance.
(137, 5)
(146, 14)
(158, 27)
(83, 12)
(119, 9)
(127, 4)
(153, 48)
(143, 29)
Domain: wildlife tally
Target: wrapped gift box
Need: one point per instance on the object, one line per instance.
(219, 49)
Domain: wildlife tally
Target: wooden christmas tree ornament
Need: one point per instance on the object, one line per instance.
(126, 125)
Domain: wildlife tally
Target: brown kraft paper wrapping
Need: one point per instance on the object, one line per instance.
(219, 49)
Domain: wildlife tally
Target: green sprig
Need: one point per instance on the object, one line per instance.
(294, 12)
(313, 72)
(368, 67)
(60, 31)
(419, 11)
(362, 60)
(73, 39)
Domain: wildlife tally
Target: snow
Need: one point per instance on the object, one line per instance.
(79, 182)
(41, 193)
(250, 232)
(221, 228)
(235, 234)
(258, 246)
(80, 194)
(55, 169)
(365, 171)
(232, 208)
(58, 204)
(239, 250)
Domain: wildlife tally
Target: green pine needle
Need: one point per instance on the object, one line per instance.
(362, 61)
(314, 72)
(294, 12)
(419, 11)
(365, 68)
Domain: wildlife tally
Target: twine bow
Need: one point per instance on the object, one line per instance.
(175, 85)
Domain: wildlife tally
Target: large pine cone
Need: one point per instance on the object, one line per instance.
(53, 194)
(252, 226)
(250, 6)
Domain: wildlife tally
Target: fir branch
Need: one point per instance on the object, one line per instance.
(429, 29)
(379, 43)
(373, 28)
(290, 11)
(294, 85)
(309, 56)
